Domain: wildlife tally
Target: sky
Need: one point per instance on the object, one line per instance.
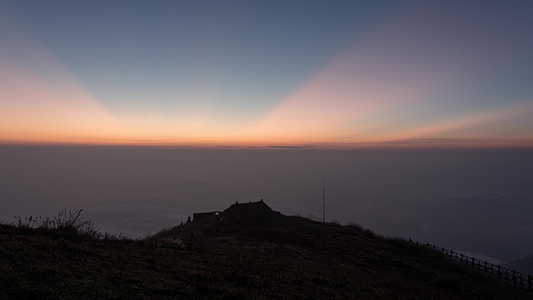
(417, 114)
(267, 73)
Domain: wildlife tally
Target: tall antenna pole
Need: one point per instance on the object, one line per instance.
(323, 201)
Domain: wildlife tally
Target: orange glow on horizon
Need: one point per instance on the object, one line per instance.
(33, 109)
(388, 68)
(339, 107)
(441, 129)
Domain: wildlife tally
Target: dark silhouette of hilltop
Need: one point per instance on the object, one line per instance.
(247, 251)
(239, 216)
(361, 253)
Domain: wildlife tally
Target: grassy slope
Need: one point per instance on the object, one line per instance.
(258, 255)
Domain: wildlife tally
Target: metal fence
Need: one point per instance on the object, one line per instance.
(504, 274)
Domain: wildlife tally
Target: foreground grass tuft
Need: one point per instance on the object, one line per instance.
(67, 223)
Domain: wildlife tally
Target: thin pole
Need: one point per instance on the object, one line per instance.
(323, 201)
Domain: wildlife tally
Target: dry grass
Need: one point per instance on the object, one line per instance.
(265, 257)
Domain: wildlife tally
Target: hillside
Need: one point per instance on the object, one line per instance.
(524, 265)
(247, 251)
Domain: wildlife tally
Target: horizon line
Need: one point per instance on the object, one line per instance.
(404, 144)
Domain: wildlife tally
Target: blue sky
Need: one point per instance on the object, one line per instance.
(267, 72)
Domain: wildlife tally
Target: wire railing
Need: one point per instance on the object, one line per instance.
(513, 277)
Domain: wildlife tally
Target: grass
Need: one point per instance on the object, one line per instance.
(267, 256)
(66, 223)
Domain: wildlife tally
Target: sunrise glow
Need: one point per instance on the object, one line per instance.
(405, 77)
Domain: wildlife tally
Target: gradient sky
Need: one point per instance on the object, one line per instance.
(260, 73)
(386, 92)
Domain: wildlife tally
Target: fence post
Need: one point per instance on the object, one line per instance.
(488, 267)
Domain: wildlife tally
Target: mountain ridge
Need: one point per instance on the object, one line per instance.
(246, 251)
